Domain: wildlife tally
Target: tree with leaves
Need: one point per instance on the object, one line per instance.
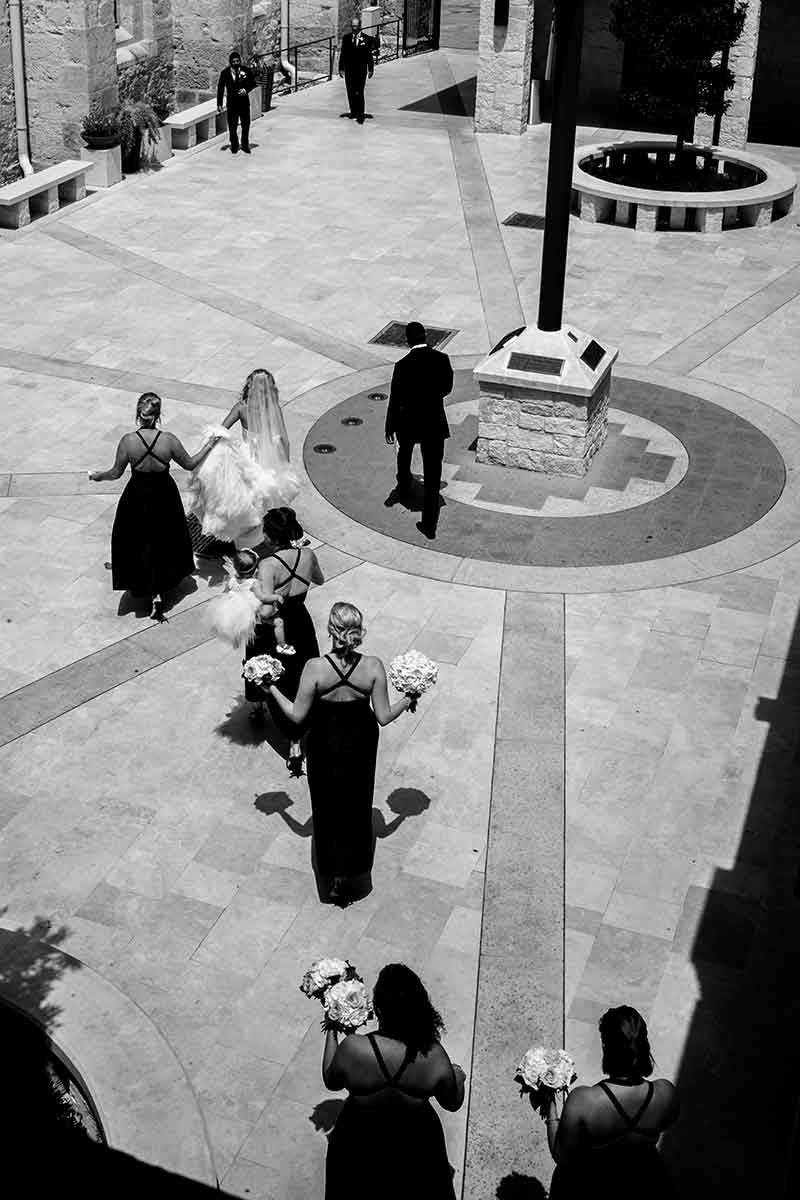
(674, 43)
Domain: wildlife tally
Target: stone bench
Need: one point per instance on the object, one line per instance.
(709, 212)
(42, 192)
(196, 124)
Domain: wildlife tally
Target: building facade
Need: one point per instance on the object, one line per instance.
(76, 53)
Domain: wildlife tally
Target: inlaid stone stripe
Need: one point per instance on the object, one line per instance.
(521, 972)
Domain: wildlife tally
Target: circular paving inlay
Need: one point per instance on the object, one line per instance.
(677, 472)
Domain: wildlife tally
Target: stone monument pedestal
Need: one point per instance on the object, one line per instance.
(544, 401)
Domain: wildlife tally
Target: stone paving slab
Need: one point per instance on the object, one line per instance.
(140, 822)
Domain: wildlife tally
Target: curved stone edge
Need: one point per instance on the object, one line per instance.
(775, 532)
(138, 1086)
(779, 181)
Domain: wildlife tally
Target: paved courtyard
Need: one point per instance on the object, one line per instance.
(596, 806)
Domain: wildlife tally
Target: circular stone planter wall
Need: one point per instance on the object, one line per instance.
(144, 1102)
(765, 199)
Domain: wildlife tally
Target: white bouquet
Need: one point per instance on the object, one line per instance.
(412, 674)
(323, 973)
(262, 669)
(347, 1004)
(543, 1071)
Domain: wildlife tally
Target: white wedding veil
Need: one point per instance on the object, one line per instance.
(266, 428)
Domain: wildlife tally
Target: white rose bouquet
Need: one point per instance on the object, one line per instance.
(323, 973)
(347, 1005)
(262, 669)
(412, 674)
(542, 1072)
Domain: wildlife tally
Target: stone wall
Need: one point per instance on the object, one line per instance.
(205, 32)
(550, 432)
(70, 59)
(742, 62)
(267, 29)
(9, 167)
(459, 23)
(504, 69)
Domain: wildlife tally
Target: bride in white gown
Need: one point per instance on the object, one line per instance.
(238, 482)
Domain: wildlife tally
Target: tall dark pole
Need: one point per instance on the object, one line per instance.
(569, 35)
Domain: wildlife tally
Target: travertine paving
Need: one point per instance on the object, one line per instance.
(623, 741)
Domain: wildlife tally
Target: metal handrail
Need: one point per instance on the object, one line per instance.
(332, 42)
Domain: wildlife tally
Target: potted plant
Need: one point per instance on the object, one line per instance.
(150, 82)
(100, 129)
(138, 125)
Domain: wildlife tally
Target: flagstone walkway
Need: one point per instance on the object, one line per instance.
(598, 803)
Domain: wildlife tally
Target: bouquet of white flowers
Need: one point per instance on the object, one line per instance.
(262, 669)
(323, 973)
(347, 1004)
(340, 988)
(543, 1071)
(412, 674)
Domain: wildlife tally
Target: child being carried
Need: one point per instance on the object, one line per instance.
(234, 614)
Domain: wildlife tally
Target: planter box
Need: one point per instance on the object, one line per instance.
(106, 168)
(162, 149)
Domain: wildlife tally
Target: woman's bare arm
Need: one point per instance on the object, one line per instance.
(115, 472)
(315, 574)
(299, 710)
(233, 416)
(450, 1090)
(189, 462)
(384, 711)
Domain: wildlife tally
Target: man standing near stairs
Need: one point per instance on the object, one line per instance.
(356, 62)
(235, 84)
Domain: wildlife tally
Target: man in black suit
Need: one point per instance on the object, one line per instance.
(416, 416)
(235, 82)
(356, 62)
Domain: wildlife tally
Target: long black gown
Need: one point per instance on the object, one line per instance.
(342, 750)
(620, 1168)
(387, 1142)
(300, 633)
(151, 550)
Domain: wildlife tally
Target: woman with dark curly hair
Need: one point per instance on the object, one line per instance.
(604, 1139)
(388, 1141)
(287, 568)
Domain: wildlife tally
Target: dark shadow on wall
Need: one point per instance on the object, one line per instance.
(739, 1076)
(48, 1139)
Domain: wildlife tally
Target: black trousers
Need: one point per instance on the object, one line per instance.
(355, 82)
(432, 450)
(239, 113)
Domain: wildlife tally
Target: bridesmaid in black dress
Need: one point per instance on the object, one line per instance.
(151, 550)
(388, 1140)
(286, 571)
(604, 1139)
(344, 696)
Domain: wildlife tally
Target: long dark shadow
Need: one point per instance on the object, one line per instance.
(52, 1134)
(740, 1069)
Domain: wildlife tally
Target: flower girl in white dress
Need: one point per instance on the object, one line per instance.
(240, 481)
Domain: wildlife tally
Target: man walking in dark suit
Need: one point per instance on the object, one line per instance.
(235, 82)
(416, 416)
(356, 62)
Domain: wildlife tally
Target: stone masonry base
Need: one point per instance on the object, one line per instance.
(547, 431)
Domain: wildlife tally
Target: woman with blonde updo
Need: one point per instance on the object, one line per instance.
(345, 697)
(151, 550)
